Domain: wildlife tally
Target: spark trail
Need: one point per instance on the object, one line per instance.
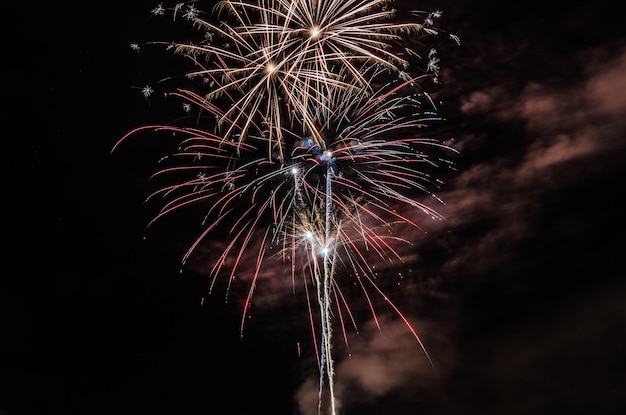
(302, 130)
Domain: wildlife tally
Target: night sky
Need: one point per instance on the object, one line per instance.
(520, 301)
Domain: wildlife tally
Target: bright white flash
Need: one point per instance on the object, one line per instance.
(315, 32)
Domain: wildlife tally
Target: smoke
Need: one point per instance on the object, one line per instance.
(384, 362)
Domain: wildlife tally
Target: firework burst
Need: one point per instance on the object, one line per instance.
(306, 136)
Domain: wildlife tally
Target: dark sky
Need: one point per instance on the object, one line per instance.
(521, 302)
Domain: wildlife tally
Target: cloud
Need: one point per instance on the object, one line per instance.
(605, 86)
(381, 360)
(385, 361)
(561, 136)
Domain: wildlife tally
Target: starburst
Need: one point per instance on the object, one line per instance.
(308, 137)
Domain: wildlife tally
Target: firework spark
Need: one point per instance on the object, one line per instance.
(305, 137)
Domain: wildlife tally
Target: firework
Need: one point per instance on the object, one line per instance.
(306, 137)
